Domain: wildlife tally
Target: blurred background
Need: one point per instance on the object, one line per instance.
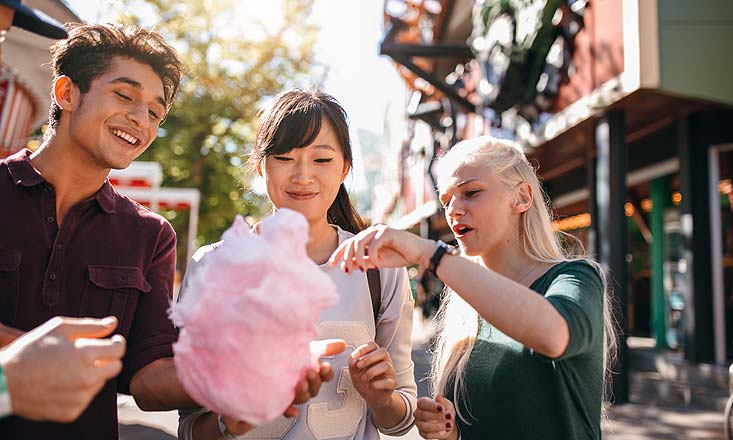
(625, 107)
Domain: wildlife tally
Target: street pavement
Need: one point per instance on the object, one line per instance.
(640, 420)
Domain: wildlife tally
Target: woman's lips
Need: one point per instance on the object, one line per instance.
(461, 231)
(302, 195)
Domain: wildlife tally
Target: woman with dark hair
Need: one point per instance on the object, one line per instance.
(303, 152)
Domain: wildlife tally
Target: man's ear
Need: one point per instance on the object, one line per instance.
(523, 198)
(65, 93)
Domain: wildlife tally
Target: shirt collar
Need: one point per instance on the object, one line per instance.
(24, 174)
(21, 169)
(106, 197)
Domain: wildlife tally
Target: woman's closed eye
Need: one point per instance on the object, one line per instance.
(282, 158)
(471, 193)
(324, 160)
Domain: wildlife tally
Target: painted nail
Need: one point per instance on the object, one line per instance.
(448, 416)
(440, 408)
(448, 425)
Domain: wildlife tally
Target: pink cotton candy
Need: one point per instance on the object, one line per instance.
(247, 318)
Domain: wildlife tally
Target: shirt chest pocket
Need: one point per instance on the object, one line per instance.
(9, 284)
(113, 290)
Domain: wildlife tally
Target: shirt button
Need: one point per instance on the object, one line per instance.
(53, 277)
(50, 219)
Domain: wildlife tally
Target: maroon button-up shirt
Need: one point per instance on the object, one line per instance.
(110, 256)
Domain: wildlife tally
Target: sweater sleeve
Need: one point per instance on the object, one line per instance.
(577, 294)
(186, 418)
(394, 332)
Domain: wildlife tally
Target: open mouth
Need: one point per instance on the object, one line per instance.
(127, 137)
(461, 230)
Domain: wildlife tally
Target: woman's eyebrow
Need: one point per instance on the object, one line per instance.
(324, 146)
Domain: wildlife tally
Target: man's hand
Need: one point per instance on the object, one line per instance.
(55, 370)
(8, 335)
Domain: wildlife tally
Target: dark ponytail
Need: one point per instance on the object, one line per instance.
(342, 213)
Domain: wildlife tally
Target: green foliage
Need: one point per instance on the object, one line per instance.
(234, 63)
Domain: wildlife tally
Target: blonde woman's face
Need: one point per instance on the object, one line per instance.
(306, 179)
(479, 209)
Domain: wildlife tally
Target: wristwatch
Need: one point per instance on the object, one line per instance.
(5, 407)
(440, 251)
(223, 429)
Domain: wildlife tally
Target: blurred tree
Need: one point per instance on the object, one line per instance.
(234, 62)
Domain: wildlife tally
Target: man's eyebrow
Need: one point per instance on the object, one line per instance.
(137, 85)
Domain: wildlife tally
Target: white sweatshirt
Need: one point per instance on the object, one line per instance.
(339, 412)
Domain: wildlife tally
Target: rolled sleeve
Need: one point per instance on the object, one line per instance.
(152, 334)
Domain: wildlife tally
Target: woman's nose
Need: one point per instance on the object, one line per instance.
(303, 173)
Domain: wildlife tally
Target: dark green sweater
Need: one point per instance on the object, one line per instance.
(514, 393)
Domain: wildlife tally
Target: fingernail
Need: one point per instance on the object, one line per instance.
(108, 320)
(440, 408)
(448, 425)
(448, 416)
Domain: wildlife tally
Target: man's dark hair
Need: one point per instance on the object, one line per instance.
(91, 48)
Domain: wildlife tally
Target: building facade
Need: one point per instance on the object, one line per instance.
(626, 108)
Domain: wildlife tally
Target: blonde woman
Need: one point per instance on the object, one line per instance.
(526, 331)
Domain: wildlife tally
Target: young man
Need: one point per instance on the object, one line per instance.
(82, 248)
(52, 372)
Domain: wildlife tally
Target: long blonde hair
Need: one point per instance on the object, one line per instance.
(457, 320)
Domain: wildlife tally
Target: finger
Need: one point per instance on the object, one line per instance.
(429, 416)
(385, 383)
(348, 264)
(8, 335)
(362, 350)
(337, 255)
(325, 371)
(302, 394)
(236, 427)
(108, 370)
(431, 429)
(377, 370)
(327, 347)
(428, 404)
(73, 328)
(314, 383)
(360, 248)
(101, 349)
(292, 411)
(446, 404)
(373, 358)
